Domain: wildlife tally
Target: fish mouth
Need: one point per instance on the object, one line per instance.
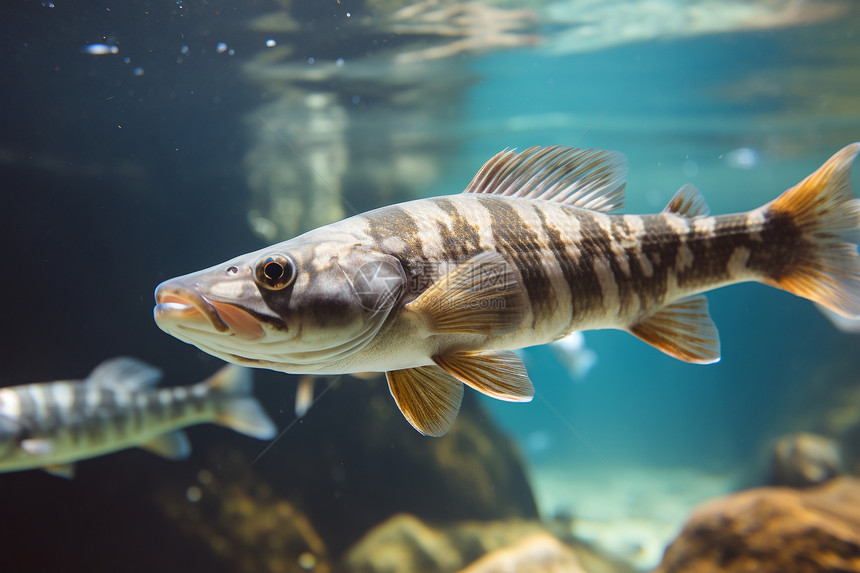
(187, 309)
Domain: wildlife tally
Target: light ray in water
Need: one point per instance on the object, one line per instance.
(570, 427)
(283, 432)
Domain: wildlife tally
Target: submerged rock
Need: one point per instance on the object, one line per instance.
(772, 530)
(404, 544)
(537, 553)
(804, 459)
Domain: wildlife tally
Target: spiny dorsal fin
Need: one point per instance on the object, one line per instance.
(500, 375)
(586, 178)
(688, 202)
(683, 329)
(124, 372)
(480, 296)
(173, 446)
(428, 396)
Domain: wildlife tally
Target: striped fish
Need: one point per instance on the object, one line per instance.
(437, 292)
(51, 425)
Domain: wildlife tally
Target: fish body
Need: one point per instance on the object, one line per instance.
(51, 425)
(437, 292)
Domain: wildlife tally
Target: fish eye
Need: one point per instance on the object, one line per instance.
(275, 271)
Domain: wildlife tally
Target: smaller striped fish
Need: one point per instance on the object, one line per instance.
(52, 425)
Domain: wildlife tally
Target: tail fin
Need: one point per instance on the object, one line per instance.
(826, 212)
(237, 409)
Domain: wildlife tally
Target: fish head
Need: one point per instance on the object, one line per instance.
(294, 307)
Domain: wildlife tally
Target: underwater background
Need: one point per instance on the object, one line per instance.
(216, 128)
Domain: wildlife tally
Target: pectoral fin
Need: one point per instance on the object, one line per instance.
(304, 394)
(500, 375)
(428, 396)
(173, 446)
(683, 329)
(480, 296)
(66, 471)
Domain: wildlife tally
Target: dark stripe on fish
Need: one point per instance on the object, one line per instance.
(395, 221)
(198, 402)
(137, 415)
(516, 240)
(461, 240)
(786, 246)
(586, 294)
(596, 245)
(177, 406)
(713, 250)
(27, 407)
(154, 410)
(109, 413)
(630, 295)
(661, 244)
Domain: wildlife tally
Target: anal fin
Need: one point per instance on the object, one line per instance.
(500, 375)
(173, 446)
(66, 471)
(428, 396)
(683, 329)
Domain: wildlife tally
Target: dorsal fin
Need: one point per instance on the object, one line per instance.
(587, 178)
(688, 202)
(124, 372)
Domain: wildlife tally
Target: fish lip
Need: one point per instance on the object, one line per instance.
(169, 298)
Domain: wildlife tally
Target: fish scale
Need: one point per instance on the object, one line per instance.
(437, 292)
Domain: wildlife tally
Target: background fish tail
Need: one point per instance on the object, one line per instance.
(824, 265)
(235, 407)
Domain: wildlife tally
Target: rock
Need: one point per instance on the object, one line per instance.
(537, 553)
(803, 459)
(403, 544)
(772, 530)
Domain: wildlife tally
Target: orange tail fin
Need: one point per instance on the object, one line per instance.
(827, 213)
